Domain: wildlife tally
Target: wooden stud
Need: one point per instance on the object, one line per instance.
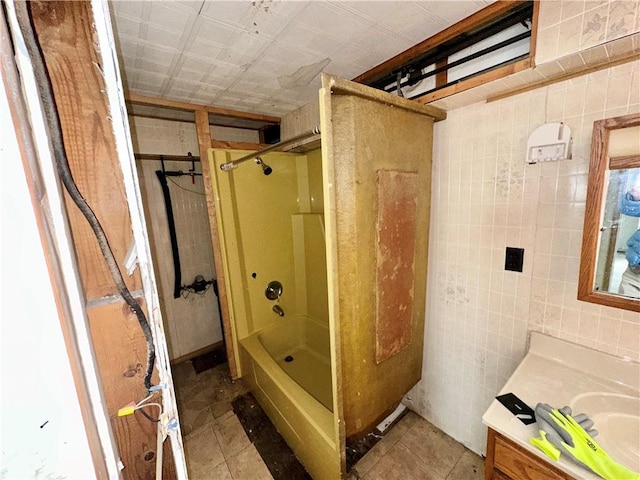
(534, 31)
(65, 33)
(42, 213)
(204, 143)
(441, 77)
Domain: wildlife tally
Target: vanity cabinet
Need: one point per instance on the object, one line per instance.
(508, 461)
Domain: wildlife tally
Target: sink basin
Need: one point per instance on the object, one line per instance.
(617, 419)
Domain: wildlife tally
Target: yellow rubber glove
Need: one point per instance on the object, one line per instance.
(583, 448)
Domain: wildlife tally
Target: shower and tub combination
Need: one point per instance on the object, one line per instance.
(324, 259)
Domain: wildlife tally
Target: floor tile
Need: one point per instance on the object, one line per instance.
(202, 452)
(221, 472)
(191, 420)
(434, 447)
(401, 464)
(247, 465)
(231, 436)
(469, 467)
(390, 438)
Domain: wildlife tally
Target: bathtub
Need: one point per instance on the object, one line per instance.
(287, 367)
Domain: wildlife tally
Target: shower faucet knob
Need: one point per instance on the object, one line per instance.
(273, 290)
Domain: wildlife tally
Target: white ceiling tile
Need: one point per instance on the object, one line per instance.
(130, 8)
(128, 26)
(332, 20)
(252, 17)
(204, 50)
(209, 51)
(158, 35)
(172, 16)
(157, 54)
(310, 39)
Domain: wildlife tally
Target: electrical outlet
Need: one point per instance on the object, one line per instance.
(514, 258)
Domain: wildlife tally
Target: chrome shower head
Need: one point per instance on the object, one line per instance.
(266, 169)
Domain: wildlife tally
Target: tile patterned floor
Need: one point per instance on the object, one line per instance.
(217, 447)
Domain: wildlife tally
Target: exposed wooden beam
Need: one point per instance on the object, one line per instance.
(204, 142)
(464, 26)
(170, 119)
(237, 145)
(441, 77)
(177, 105)
(167, 158)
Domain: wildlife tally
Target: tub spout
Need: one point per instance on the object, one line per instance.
(278, 309)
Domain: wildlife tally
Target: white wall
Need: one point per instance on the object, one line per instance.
(485, 198)
(42, 434)
(193, 322)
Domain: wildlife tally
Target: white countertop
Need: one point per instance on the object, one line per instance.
(555, 372)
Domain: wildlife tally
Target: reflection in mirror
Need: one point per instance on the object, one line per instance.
(619, 250)
(610, 263)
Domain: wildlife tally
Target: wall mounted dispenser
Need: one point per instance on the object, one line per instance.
(548, 143)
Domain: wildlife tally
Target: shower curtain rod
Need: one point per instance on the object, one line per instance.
(225, 167)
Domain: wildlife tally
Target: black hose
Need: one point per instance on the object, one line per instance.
(175, 252)
(62, 164)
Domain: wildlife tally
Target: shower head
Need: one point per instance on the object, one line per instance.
(266, 169)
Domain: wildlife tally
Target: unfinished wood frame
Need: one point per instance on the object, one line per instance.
(41, 200)
(468, 24)
(204, 143)
(599, 164)
(65, 32)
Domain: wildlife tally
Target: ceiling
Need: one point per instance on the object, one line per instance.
(265, 56)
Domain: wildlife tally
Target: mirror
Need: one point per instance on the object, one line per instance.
(610, 261)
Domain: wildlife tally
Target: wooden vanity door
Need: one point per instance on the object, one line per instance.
(377, 187)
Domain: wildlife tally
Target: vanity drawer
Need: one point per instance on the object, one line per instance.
(506, 460)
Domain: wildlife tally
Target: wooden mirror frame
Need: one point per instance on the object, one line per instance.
(599, 164)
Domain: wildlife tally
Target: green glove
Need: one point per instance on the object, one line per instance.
(561, 433)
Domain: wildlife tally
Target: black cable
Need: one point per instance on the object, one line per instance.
(149, 417)
(62, 165)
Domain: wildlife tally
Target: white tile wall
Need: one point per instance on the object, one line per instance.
(569, 26)
(484, 198)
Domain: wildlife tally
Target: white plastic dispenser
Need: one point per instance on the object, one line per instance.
(548, 143)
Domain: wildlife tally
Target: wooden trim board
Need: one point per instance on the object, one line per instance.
(178, 105)
(472, 21)
(481, 79)
(578, 72)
